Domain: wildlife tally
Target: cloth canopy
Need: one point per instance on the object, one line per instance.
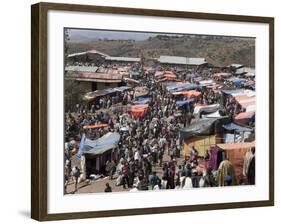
(245, 115)
(240, 145)
(235, 127)
(238, 82)
(183, 102)
(99, 146)
(189, 94)
(236, 152)
(139, 111)
(131, 80)
(205, 108)
(205, 126)
(168, 75)
(182, 87)
(141, 91)
(142, 100)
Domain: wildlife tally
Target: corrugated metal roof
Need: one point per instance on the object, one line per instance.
(96, 77)
(236, 66)
(125, 59)
(245, 70)
(165, 59)
(82, 68)
(87, 52)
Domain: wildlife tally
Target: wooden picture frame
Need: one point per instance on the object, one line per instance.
(39, 108)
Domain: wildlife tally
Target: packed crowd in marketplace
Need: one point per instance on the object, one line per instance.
(163, 127)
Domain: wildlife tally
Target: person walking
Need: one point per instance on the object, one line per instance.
(107, 188)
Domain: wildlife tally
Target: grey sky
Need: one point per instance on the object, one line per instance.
(79, 34)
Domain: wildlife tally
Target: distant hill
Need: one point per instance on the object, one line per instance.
(218, 50)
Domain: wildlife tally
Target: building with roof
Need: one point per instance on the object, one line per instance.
(92, 81)
(91, 56)
(122, 59)
(244, 70)
(182, 61)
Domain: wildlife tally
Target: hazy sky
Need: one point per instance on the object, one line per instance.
(83, 34)
(88, 34)
(78, 34)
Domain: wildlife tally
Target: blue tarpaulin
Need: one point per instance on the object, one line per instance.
(235, 127)
(183, 102)
(81, 146)
(181, 87)
(238, 82)
(101, 145)
(232, 91)
(142, 100)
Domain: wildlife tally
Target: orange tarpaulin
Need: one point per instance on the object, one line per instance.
(241, 97)
(189, 94)
(139, 111)
(170, 76)
(248, 103)
(95, 126)
(245, 115)
(167, 79)
(235, 152)
(168, 72)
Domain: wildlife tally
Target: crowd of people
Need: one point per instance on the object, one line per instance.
(148, 155)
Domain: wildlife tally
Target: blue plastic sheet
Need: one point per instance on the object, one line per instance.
(183, 102)
(101, 145)
(235, 127)
(142, 100)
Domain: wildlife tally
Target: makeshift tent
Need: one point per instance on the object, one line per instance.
(251, 108)
(221, 75)
(205, 108)
(206, 82)
(139, 111)
(142, 100)
(158, 73)
(245, 117)
(183, 102)
(235, 127)
(167, 79)
(238, 82)
(235, 152)
(131, 80)
(101, 145)
(189, 94)
(236, 92)
(212, 115)
(237, 133)
(246, 103)
(170, 75)
(201, 143)
(140, 91)
(205, 126)
(98, 93)
(181, 87)
(122, 88)
(97, 152)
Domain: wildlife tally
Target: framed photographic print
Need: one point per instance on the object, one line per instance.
(139, 111)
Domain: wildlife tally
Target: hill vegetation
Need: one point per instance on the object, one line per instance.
(218, 50)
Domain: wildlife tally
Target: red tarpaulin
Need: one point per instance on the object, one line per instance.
(235, 152)
(139, 111)
(189, 94)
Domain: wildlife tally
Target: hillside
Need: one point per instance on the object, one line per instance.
(217, 50)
